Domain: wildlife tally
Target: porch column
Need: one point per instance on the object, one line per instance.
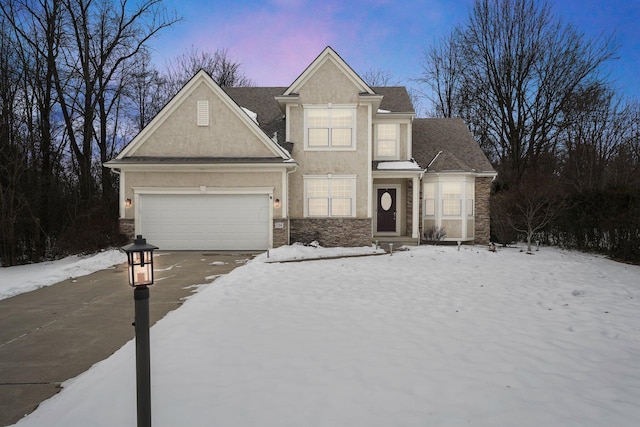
(415, 232)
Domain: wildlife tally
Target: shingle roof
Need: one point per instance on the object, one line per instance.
(452, 139)
(460, 152)
(396, 99)
(261, 100)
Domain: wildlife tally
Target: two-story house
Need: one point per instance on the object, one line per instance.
(328, 158)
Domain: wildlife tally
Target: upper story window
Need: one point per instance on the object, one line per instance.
(387, 141)
(330, 128)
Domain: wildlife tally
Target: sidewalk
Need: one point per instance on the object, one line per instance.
(57, 332)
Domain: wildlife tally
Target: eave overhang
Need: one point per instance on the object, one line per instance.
(186, 164)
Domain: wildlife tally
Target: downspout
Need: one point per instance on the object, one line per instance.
(420, 221)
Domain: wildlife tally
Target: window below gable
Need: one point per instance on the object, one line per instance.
(330, 128)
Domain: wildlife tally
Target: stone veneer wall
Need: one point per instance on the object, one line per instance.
(280, 235)
(482, 220)
(127, 228)
(331, 231)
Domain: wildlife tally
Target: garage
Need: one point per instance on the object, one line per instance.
(205, 221)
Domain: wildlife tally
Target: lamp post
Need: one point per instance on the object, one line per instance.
(140, 260)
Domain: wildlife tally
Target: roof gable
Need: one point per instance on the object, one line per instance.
(173, 132)
(328, 54)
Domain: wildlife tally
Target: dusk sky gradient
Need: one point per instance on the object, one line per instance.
(275, 40)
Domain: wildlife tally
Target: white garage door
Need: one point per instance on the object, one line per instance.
(205, 221)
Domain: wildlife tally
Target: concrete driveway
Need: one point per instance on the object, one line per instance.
(56, 333)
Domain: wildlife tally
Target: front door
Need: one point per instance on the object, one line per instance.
(386, 210)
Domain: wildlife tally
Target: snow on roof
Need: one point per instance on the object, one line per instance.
(399, 165)
(383, 111)
(251, 114)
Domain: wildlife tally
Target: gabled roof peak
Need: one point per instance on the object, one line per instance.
(328, 54)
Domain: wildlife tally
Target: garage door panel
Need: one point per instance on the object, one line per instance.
(206, 222)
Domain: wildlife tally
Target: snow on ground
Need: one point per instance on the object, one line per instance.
(26, 278)
(431, 336)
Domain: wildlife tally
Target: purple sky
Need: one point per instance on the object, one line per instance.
(275, 40)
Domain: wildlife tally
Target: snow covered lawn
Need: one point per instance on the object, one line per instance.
(27, 278)
(432, 336)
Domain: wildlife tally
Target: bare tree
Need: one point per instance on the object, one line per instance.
(531, 206)
(595, 126)
(219, 65)
(442, 74)
(146, 90)
(509, 72)
(377, 77)
(104, 37)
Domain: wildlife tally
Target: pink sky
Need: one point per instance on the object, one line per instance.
(275, 40)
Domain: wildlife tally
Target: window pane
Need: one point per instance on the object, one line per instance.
(318, 137)
(341, 118)
(340, 138)
(430, 190)
(340, 207)
(451, 190)
(386, 148)
(318, 207)
(318, 118)
(429, 207)
(317, 188)
(430, 198)
(340, 188)
(387, 131)
(451, 207)
(470, 198)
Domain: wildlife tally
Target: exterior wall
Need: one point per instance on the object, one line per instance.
(480, 222)
(127, 228)
(482, 219)
(329, 85)
(457, 227)
(331, 231)
(226, 136)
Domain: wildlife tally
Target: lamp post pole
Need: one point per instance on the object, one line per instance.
(140, 259)
(143, 355)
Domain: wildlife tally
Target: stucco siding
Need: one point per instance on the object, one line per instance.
(226, 136)
(329, 84)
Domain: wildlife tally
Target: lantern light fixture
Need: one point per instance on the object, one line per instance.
(140, 259)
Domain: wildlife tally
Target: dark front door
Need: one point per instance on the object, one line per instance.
(386, 209)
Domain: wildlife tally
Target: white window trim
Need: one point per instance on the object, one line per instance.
(396, 156)
(329, 177)
(354, 122)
